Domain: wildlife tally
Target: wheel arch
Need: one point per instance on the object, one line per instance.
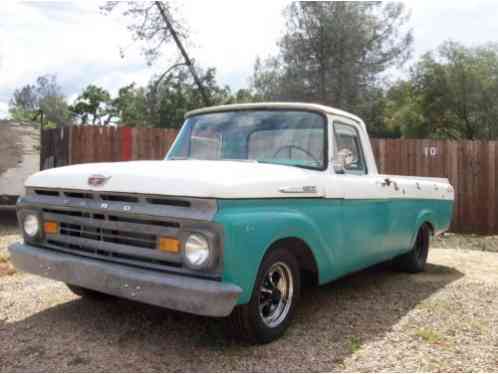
(246, 250)
(424, 218)
(304, 254)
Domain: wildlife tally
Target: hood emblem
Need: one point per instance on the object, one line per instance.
(97, 180)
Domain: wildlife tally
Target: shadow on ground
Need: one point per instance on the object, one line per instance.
(120, 335)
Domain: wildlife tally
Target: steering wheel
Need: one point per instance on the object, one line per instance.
(290, 146)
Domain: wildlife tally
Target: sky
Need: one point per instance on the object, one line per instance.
(79, 44)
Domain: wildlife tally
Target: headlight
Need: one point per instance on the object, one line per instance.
(197, 251)
(31, 225)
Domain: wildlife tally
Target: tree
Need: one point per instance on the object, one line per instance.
(178, 93)
(157, 24)
(335, 53)
(403, 111)
(457, 88)
(243, 95)
(147, 25)
(44, 98)
(166, 99)
(94, 106)
(131, 106)
(451, 93)
(24, 103)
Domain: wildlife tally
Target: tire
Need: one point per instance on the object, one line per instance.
(87, 293)
(415, 260)
(247, 322)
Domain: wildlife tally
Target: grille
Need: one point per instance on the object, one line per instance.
(124, 227)
(112, 236)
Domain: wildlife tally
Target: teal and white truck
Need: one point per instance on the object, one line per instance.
(250, 200)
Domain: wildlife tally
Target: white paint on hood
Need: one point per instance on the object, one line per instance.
(193, 178)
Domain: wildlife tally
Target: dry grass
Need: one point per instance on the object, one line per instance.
(470, 241)
(8, 234)
(429, 336)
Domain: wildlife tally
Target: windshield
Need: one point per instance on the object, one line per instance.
(295, 138)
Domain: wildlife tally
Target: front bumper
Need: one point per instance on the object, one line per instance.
(178, 292)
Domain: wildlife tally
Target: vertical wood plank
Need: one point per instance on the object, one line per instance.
(461, 186)
(134, 142)
(491, 184)
(495, 207)
(483, 180)
(451, 166)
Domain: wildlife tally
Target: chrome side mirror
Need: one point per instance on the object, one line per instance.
(338, 165)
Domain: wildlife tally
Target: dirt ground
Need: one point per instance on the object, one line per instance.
(445, 319)
(19, 147)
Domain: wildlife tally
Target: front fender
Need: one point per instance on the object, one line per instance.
(251, 228)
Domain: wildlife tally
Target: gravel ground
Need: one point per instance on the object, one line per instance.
(377, 320)
(8, 234)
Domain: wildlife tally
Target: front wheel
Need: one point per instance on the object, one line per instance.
(415, 260)
(273, 302)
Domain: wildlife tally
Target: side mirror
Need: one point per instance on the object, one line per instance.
(338, 164)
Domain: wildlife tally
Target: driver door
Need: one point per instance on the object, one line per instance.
(364, 202)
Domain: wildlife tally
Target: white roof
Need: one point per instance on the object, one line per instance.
(276, 105)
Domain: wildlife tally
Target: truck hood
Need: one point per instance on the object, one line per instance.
(193, 178)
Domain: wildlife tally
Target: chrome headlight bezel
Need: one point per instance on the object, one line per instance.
(27, 214)
(197, 251)
(211, 246)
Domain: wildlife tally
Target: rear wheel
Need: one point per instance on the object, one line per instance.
(415, 260)
(87, 293)
(272, 305)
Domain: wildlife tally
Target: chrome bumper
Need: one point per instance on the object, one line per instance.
(178, 292)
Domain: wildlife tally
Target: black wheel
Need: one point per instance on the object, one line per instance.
(273, 301)
(87, 293)
(415, 260)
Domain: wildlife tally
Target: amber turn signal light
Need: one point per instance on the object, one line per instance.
(169, 244)
(50, 227)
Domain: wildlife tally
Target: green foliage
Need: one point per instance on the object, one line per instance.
(44, 98)
(355, 344)
(162, 103)
(93, 106)
(451, 94)
(402, 111)
(333, 53)
(429, 336)
(170, 98)
(131, 106)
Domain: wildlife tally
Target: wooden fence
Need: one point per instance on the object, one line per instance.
(471, 166)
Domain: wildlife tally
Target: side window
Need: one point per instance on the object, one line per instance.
(348, 146)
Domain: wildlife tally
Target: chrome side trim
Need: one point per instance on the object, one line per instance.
(301, 189)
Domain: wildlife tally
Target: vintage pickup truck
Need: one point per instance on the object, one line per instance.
(250, 200)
